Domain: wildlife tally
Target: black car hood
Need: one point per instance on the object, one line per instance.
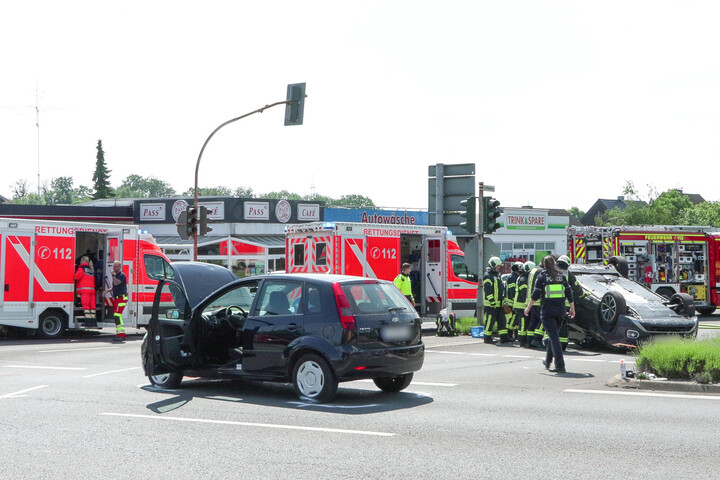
(199, 279)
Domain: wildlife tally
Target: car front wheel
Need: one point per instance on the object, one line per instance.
(166, 380)
(394, 384)
(313, 379)
(612, 306)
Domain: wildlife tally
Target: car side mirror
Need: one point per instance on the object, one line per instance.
(172, 314)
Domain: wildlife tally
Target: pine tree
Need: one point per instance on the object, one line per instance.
(101, 177)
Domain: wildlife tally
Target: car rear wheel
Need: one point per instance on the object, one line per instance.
(666, 292)
(313, 379)
(612, 306)
(166, 380)
(394, 384)
(686, 305)
(620, 264)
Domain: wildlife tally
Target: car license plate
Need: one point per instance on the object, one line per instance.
(396, 334)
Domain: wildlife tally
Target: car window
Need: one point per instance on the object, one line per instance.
(314, 299)
(280, 297)
(241, 296)
(374, 297)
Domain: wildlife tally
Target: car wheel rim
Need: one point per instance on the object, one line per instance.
(608, 308)
(310, 379)
(161, 379)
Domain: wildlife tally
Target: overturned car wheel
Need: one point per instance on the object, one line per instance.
(683, 304)
(611, 307)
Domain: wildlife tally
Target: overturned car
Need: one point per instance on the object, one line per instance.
(615, 312)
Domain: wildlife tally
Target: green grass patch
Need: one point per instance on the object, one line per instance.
(462, 325)
(681, 358)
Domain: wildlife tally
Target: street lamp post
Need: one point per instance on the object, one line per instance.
(295, 104)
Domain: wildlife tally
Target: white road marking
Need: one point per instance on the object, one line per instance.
(518, 356)
(567, 357)
(18, 394)
(76, 349)
(41, 367)
(251, 424)
(643, 394)
(111, 371)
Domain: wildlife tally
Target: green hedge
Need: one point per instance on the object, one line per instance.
(678, 358)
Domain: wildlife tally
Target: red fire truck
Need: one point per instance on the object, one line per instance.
(38, 259)
(667, 259)
(439, 276)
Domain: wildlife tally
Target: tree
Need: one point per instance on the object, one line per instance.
(354, 201)
(60, 191)
(706, 213)
(576, 212)
(101, 177)
(664, 209)
(208, 192)
(282, 195)
(136, 186)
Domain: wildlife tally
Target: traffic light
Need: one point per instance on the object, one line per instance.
(296, 104)
(491, 214)
(192, 221)
(469, 204)
(204, 228)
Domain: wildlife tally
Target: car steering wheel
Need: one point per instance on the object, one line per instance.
(228, 315)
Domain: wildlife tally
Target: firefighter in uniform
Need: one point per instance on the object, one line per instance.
(85, 277)
(552, 287)
(402, 282)
(493, 293)
(534, 330)
(120, 298)
(509, 301)
(521, 299)
(563, 264)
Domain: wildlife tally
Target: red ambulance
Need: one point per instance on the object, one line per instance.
(38, 259)
(439, 275)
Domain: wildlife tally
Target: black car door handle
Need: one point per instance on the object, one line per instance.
(293, 326)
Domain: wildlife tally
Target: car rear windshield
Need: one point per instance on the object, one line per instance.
(374, 297)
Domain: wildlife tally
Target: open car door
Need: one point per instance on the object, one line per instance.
(170, 339)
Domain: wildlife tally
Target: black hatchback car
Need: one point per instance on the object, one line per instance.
(311, 330)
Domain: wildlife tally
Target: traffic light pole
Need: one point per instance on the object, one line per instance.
(480, 229)
(197, 166)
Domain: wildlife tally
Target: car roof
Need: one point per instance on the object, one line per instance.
(316, 277)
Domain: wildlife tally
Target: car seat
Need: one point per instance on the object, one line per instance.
(277, 304)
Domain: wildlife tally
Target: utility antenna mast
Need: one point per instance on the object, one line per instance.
(37, 124)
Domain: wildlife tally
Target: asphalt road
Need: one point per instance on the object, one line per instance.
(80, 407)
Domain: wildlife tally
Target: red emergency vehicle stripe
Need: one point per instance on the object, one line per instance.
(579, 248)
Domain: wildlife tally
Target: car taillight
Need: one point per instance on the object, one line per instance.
(347, 319)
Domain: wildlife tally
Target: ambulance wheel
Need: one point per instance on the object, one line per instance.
(393, 384)
(52, 325)
(166, 381)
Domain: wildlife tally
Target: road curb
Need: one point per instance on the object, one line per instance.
(663, 385)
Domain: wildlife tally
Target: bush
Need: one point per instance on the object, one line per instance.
(674, 357)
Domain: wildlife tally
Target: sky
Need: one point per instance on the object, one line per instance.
(557, 103)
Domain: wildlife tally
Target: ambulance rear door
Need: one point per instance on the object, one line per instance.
(433, 274)
(17, 257)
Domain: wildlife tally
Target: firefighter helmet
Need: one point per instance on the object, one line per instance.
(528, 266)
(517, 266)
(563, 262)
(494, 262)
